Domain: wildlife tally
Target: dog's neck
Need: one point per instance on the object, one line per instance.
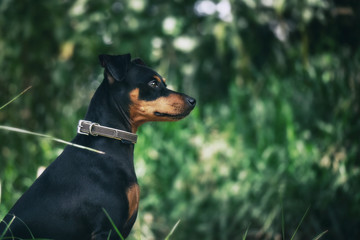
(103, 109)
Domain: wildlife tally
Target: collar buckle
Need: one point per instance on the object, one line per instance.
(80, 126)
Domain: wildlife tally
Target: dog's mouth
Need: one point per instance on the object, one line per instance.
(173, 116)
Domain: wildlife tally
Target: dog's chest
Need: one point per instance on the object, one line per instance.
(133, 196)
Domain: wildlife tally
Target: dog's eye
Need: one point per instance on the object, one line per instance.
(153, 84)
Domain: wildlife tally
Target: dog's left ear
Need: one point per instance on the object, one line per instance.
(116, 65)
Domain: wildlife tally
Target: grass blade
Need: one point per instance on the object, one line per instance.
(113, 224)
(32, 236)
(320, 235)
(282, 222)
(109, 235)
(7, 227)
(16, 97)
(302, 219)
(172, 230)
(19, 130)
(245, 234)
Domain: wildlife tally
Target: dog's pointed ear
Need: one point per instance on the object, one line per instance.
(138, 61)
(116, 65)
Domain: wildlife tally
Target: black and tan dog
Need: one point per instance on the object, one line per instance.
(68, 200)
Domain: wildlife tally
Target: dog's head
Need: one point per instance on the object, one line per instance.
(144, 91)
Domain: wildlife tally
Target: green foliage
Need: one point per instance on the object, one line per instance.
(276, 128)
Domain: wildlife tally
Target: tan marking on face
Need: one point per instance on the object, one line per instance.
(157, 78)
(133, 196)
(142, 111)
(164, 79)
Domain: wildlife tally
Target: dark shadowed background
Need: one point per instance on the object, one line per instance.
(276, 129)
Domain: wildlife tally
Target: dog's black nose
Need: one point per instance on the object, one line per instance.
(191, 101)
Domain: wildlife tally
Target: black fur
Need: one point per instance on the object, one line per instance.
(67, 200)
